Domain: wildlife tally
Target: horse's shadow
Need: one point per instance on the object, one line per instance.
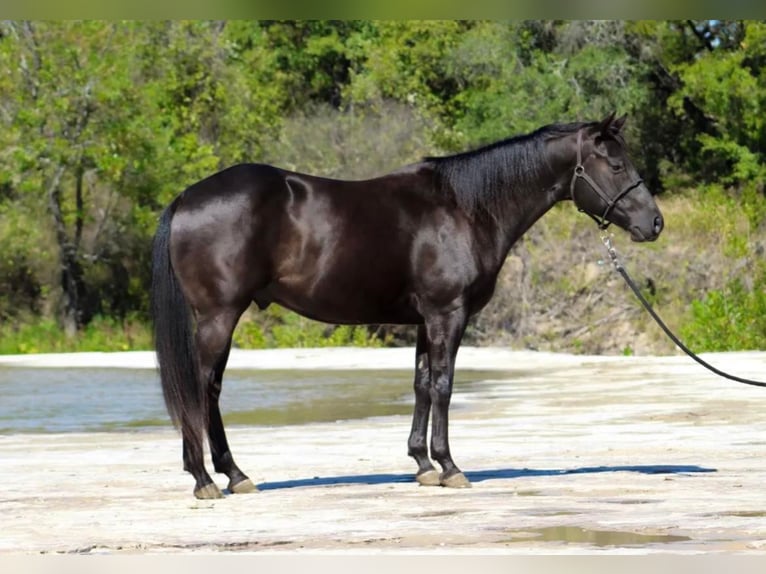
(481, 475)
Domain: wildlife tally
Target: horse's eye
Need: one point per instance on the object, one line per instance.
(616, 167)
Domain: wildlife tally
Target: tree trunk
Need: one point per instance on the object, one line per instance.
(73, 287)
(74, 315)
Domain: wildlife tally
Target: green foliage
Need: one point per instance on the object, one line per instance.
(732, 316)
(24, 261)
(101, 334)
(725, 91)
(729, 319)
(282, 328)
(102, 123)
(408, 62)
(509, 88)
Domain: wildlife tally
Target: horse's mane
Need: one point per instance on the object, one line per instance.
(482, 179)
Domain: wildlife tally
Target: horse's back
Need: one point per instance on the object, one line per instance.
(251, 180)
(260, 182)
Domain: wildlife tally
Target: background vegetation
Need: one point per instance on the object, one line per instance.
(103, 123)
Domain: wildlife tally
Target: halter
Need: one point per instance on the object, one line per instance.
(579, 172)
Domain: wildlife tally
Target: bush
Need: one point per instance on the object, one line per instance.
(101, 334)
(278, 327)
(729, 319)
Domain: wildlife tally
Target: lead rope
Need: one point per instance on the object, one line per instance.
(621, 270)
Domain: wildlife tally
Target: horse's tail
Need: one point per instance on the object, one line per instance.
(185, 396)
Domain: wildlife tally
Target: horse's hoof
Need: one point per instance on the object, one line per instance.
(457, 480)
(243, 487)
(208, 491)
(428, 478)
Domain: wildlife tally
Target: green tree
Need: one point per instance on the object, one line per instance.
(103, 123)
(516, 77)
(727, 83)
(67, 96)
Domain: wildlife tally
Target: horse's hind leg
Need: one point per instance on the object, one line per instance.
(212, 338)
(223, 461)
(194, 463)
(417, 446)
(214, 331)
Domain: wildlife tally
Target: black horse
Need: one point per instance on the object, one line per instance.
(420, 246)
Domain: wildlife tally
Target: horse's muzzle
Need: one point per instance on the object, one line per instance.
(650, 232)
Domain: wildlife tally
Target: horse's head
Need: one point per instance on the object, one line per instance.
(606, 186)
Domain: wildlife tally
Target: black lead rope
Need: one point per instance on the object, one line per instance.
(621, 269)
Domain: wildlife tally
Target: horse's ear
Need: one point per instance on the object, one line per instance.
(604, 127)
(617, 124)
(609, 126)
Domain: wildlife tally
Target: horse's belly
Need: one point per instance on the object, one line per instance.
(335, 304)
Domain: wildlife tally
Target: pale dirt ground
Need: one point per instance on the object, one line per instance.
(567, 455)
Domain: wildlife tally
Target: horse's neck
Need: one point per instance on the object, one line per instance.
(527, 206)
(525, 210)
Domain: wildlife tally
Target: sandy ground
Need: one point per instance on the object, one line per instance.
(567, 454)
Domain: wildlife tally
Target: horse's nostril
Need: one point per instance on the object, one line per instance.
(658, 223)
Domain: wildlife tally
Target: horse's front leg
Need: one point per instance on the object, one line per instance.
(443, 334)
(417, 446)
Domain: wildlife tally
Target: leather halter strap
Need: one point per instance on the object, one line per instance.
(579, 173)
